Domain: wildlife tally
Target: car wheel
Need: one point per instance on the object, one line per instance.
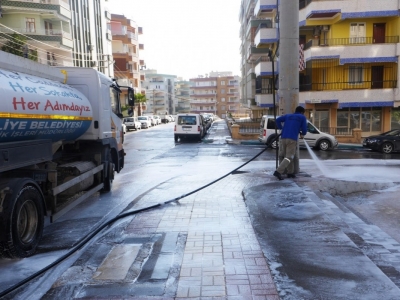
(176, 138)
(274, 145)
(387, 148)
(324, 145)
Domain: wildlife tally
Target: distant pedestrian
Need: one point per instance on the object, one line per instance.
(25, 50)
(293, 125)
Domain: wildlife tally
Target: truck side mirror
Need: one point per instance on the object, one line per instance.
(131, 97)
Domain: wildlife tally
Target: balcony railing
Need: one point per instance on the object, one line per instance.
(48, 32)
(262, 59)
(305, 3)
(346, 85)
(266, 24)
(350, 41)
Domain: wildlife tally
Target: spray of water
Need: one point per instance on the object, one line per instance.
(319, 164)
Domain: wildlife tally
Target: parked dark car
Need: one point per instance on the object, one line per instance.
(207, 121)
(387, 142)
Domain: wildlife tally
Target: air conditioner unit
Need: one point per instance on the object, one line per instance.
(325, 28)
(90, 47)
(94, 63)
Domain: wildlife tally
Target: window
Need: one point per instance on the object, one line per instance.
(357, 33)
(222, 99)
(395, 117)
(366, 118)
(355, 74)
(30, 25)
(222, 82)
(222, 91)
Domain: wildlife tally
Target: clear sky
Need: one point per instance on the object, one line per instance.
(186, 38)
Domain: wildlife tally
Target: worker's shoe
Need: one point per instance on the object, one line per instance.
(291, 176)
(278, 175)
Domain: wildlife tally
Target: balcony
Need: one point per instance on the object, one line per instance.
(264, 67)
(43, 35)
(203, 95)
(202, 102)
(253, 51)
(328, 9)
(265, 35)
(351, 41)
(264, 6)
(124, 82)
(265, 100)
(348, 98)
(60, 6)
(360, 53)
(214, 85)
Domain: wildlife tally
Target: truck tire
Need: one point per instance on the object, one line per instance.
(25, 223)
(109, 177)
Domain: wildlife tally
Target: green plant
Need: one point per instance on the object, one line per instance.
(15, 46)
(139, 99)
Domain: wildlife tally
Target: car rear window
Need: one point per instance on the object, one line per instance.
(142, 118)
(187, 120)
(129, 120)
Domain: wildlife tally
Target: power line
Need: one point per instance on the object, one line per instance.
(48, 45)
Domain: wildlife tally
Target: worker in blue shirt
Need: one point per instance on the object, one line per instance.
(293, 125)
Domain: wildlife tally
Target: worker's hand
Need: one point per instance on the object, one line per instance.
(301, 136)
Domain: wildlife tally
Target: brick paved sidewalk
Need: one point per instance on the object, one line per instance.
(222, 258)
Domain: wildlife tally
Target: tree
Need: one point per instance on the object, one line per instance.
(16, 46)
(139, 99)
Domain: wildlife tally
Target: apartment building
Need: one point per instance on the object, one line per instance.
(125, 51)
(182, 94)
(60, 32)
(217, 93)
(160, 92)
(348, 62)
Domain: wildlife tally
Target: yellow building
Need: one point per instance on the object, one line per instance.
(350, 74)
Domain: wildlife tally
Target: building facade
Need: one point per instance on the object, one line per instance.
(182, 94)
(160, 93)
(216, 93)
(348, 62)
(125, 51)
(60, 32)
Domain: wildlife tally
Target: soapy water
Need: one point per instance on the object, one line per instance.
(319, 164)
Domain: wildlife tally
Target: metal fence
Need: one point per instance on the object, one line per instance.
(249, 128)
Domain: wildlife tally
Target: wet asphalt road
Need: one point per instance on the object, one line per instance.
(152, 158)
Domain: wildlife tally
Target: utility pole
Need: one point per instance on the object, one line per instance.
(288, 56)
(289, 61)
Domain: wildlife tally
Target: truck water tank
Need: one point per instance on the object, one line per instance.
(32, 107)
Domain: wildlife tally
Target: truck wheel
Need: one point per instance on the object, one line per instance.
(25, 225)
(109, 177)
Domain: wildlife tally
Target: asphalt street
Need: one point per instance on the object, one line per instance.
(247, 236)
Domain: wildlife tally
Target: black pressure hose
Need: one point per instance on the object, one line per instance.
(91, 234)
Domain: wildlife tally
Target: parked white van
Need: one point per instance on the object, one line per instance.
(189, 126)
(314, 137)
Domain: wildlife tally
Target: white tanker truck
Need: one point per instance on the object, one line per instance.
(59, 144)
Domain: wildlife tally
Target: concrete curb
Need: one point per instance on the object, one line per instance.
(340, 146)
